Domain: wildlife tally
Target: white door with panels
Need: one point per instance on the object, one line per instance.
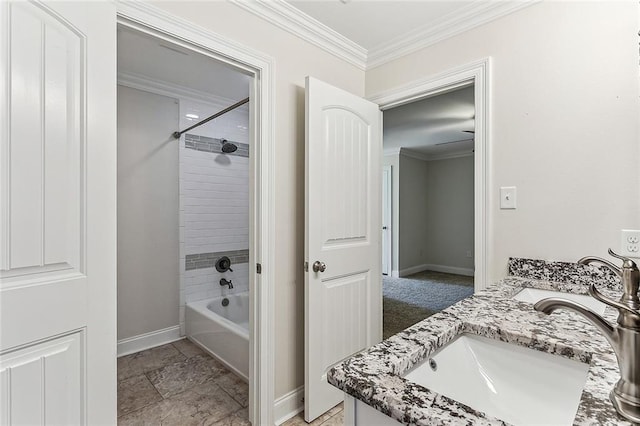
(386, 220)
(57, 213)
(343, 292)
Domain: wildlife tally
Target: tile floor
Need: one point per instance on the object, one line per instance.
(179, 384)
(333, 417)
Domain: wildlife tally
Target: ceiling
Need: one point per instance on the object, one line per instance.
(374, 23)
(140, 56)
(432, 127)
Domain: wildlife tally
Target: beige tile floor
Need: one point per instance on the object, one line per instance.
(333, 417)
(178, 384)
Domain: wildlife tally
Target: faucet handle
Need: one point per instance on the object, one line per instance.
(626, 262)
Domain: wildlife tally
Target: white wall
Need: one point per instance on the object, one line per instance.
(294, 59)
(450, 213)
(564, 124)
(214, 201)
(413, 238)
(147, 213)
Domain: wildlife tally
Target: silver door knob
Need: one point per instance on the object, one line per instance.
(319, 266)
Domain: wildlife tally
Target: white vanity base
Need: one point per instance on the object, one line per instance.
(357, 413)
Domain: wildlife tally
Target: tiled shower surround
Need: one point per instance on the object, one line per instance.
(214, 203)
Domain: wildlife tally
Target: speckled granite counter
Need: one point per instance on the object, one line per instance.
(374, 375)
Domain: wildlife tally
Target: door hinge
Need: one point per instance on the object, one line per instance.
(258, 268)
(306, 266)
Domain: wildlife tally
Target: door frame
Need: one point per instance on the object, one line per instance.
(387, 212)
(478, 74)
(150, 20)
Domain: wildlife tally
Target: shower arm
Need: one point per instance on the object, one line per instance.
(177, 135)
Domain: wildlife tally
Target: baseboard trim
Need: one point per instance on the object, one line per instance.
(395, 273)
(436, 268)
(288, 405)
(141, 342)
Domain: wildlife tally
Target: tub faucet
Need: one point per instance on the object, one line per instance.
(624, 337)
(224, 281)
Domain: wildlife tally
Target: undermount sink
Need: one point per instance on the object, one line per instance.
(518, 385)
(533, 295)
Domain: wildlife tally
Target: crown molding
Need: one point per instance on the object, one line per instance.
(425, 157)
(413, 154)
(476, 14)
(164, 88)
(298, 23)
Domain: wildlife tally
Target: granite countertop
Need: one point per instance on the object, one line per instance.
(374, 375)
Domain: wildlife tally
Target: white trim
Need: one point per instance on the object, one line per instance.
(298, 23)
(288, 405)
(148, 19)
(291, 19)
(395, 273)
(448, 156)
(408, 152)
(457, 22)
(164, 88)
(437, 268)
(413, 154)
(477, 73)
(152, 339)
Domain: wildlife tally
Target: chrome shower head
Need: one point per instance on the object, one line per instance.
(228, 147)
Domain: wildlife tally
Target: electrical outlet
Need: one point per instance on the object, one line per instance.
(630, 243)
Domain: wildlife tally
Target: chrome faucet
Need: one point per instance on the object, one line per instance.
(624, 337)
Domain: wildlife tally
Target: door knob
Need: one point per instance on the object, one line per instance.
(319, 266)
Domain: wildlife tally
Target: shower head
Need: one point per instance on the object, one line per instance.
(228, 147)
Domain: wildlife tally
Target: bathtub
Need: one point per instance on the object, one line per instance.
(223, 331)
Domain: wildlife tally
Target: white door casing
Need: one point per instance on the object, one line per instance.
(58, 213)
(386, 220)
(343, 304)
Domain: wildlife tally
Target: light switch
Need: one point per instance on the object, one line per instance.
(508, 197)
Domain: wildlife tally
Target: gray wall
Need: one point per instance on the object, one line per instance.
(413, 231)
(436, 213)
(450, 212)
(148, 277)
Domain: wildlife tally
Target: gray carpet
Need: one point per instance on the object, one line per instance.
(426, 292)
(409, 300)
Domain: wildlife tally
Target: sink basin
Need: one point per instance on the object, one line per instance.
(518, 385)
(532, 295)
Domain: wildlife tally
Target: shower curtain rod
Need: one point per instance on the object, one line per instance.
(206, 120)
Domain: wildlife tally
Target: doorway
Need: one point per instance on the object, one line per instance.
(182, 37)
(430, 144)
(473, 78)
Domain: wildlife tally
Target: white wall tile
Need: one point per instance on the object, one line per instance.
(214, 203)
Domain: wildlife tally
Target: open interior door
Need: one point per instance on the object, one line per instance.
(343, 295)
(58, 213)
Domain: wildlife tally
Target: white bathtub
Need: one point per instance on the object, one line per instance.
(222, 330)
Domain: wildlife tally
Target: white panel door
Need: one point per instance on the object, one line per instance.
(386, 220)
(343, 293)
(57, 213)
